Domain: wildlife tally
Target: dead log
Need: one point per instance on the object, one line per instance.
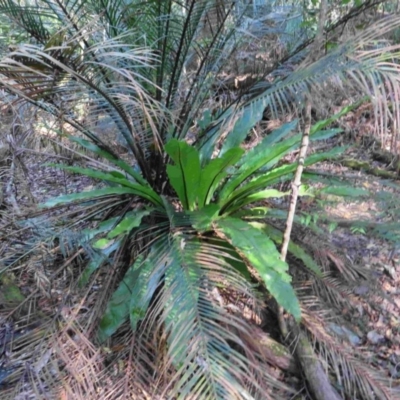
(365, 166)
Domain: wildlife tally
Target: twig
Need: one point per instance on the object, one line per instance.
(9, 194)
(315, 375)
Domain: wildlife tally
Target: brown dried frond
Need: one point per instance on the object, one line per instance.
(336, 292)
(353, 373)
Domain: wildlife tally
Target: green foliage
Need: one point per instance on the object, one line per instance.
(206, 224)
(214, 172)
(118, 308)
(261, 253)
(202, 193)
(185, 175)
(296, 250)
(130, 221)
(357, 229)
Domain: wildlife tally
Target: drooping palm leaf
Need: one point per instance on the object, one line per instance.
(202, 336)
(261, 253)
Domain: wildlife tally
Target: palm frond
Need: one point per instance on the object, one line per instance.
(335, 292)
(353, 374)
(204, 342)
(352, 66)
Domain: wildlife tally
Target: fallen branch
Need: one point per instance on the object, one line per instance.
(276, 353)
(9, 190)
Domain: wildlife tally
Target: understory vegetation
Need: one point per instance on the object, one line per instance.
(196, 154)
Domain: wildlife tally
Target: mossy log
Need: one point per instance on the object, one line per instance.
(316, 377)
(276, 353)
(383, 156)
(365, 166)
(315, 374)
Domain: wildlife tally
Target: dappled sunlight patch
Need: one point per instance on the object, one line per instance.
(352, 211)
